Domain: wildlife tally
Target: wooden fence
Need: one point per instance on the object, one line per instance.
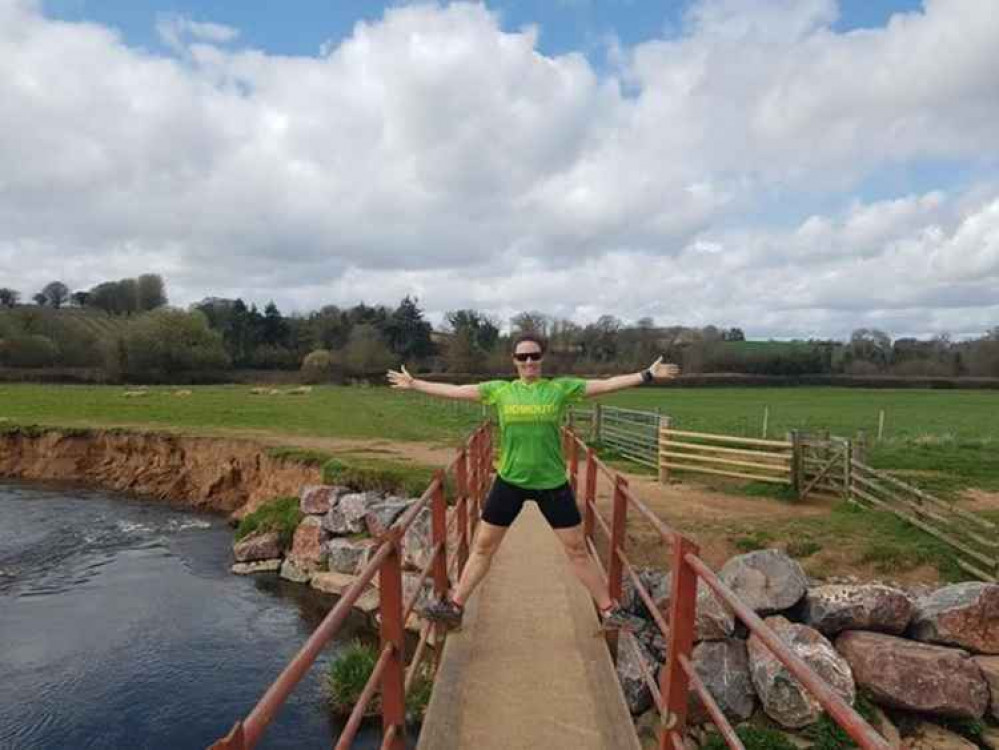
(646, 438)
(816, 466)
(759, 460)
(972, 538)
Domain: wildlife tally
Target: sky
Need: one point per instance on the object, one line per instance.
(796, 168)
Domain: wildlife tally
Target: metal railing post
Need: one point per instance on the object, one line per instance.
(591, 492)
(573, 462)
(461, 479)
(393, 688)
(615, 567)
(673, 680)
(438, 520)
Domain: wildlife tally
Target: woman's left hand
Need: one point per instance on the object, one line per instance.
(663, 371)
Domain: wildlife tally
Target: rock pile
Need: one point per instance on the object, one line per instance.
(932, 653)
(334, 542)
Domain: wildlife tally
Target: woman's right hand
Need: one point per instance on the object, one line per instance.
(402, 379)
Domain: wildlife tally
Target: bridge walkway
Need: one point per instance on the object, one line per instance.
(529, 668)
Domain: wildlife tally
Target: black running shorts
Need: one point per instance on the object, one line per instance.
(558, 505)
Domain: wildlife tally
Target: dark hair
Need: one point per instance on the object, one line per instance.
(528, 336)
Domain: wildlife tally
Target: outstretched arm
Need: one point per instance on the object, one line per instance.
(658, 369)
(404, 381)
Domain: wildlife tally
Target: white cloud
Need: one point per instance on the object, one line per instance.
(433, 152)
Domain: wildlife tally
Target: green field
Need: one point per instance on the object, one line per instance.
(944, 440)
(950, 438)
(329, 411)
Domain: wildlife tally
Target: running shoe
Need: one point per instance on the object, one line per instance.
(445, 612)
(618, 619)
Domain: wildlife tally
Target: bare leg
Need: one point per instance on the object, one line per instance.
(582, 564)
(487, 540)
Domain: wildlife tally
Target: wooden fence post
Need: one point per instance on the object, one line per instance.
(674, 683)
(393, 690)
(848, 469)
(663, 447)
(860, 447)
(597, 423)
(766, 421)
(797, 462)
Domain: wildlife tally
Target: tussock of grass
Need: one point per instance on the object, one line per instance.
(753, 738)
(826, 734)
(376, 474)
(349, 672)
(299, 455)
(801, 548)
(282, 514)
(752, 541)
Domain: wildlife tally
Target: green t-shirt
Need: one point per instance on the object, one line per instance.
(530, 415)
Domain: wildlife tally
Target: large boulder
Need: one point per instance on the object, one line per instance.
(784, 699)
(266, 546)
(833, 609)
(307, 545)
(990, 671)
(417, 542)
(713, 620)
(652, 638)
(261, 566)
(332, 582)
(965, 615)
(915, 676)
(291, 572)
(768, 581)
(318, 499)
(656, 582)
(347, 516)
(723, 667)
(630, 674)
(383, 514)
(927, 736)
(346, 556)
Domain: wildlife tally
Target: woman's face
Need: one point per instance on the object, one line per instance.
(527, 359)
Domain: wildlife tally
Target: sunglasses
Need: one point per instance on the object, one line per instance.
(528, 357)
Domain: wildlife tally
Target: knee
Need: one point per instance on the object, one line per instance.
(577, 551)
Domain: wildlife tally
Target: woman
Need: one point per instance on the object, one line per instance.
(531, 467)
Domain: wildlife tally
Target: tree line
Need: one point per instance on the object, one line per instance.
(125, 330)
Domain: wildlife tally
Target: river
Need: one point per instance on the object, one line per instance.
(122, 627)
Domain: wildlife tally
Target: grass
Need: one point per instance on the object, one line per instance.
(949, 437)
(382, 475)
(826, 734)
(753, 738)
(349, 671)
(281, 514)
(867, 537)
(328, 411)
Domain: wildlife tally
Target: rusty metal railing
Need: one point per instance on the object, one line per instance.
(470, 471)
(678, 677)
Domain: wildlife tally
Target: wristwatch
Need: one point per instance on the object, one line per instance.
(646, 375)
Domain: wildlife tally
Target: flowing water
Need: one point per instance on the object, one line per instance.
(122, 627)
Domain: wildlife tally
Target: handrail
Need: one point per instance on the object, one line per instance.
(470, 468)
(678, 676)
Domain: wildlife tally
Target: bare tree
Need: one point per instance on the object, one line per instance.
(56, 293)
(9, 297)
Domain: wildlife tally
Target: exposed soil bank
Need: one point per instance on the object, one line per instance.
(216, 474)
